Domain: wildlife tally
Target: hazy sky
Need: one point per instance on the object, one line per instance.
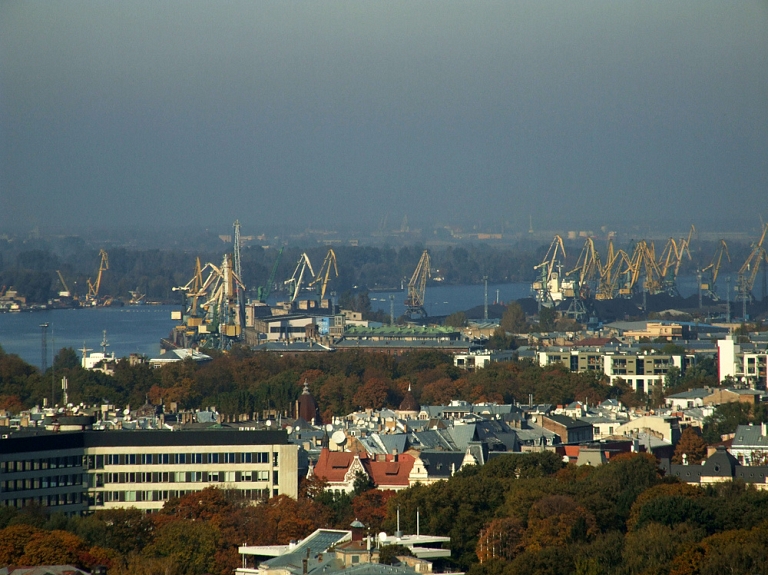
(315, 113)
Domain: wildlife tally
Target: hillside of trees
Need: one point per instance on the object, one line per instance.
(519, 514)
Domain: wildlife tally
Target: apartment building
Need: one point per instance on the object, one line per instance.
(638, 368)
(84, 471)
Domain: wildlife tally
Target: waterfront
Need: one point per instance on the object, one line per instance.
(130, 329)
(138, 329)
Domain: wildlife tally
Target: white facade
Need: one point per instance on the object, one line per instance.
(748, 367)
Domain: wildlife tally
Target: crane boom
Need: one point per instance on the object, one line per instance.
(417, 286)
(262, 292)
(324, 273)
(294, 283)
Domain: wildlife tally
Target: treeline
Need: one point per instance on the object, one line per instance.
(527, 514)
(244, 381)
(30, 266)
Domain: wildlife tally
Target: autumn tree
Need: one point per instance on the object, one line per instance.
(692, 446)
(556, 520)
(500, 539)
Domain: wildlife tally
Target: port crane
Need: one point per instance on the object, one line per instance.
(324, 273)
(670, 260)
(549, 279)
(262, 292)
(417, 287)
(588, 269)
(748, 272)
(93, 289)
(66, 292)
(295, 281)
(708, 285)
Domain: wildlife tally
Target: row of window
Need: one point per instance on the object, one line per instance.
(46, 500)
(41, 482)
(101, 479)
(101, 497)
(35, 464)
(99, 461)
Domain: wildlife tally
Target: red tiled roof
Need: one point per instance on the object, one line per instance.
(390, 472)
(333, 465)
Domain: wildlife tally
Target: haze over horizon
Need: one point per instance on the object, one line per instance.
(333, 114)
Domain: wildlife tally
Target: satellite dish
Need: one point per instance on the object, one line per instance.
(338, 437)
(289, 429)
(268, 423)
(297, 429)
(329, 428)
(383, 536)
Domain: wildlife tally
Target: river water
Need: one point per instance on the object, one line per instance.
(138, 329)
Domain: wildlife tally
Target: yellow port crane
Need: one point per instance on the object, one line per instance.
(670, 260)
(708, 285)
(643, 264)
(588, 267)
(547, 287)
(93, 289)
(417, 287)
(324, 273)
(607, 286)
(748, 272)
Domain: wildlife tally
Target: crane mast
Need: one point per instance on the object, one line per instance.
(93, 289)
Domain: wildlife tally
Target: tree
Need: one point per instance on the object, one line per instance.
(362, 483)
(500, 539)
(547, 318)
(692, 446)
(190, 544)
(388, 553)
(513, 320)
(456, 319)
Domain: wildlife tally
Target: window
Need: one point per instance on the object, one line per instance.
(261, 457)
(274, 458)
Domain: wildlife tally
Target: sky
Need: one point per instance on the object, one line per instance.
(334, 114)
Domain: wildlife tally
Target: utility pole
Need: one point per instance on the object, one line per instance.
(391, 309)
(485, 308)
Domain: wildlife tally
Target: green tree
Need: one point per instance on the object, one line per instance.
(513, 320)
(547, 319)
(456, 319)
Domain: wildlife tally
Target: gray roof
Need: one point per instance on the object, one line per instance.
(698, 393)
(318, 542)
(441, 463)
(750, 436)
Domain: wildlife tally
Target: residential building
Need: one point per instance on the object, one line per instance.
(481, 358)
(570, 430)
(743, 363)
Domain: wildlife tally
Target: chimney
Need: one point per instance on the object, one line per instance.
(304, 563)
